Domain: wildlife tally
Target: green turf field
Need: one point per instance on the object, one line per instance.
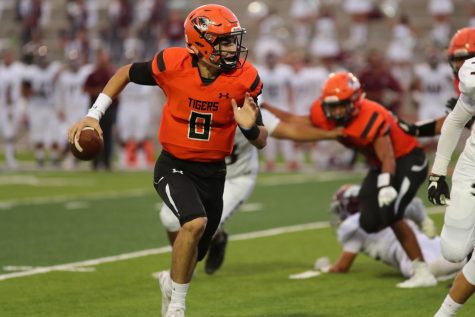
(52, 223)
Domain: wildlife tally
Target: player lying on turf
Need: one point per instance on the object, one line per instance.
(383, 245)
(242, 166)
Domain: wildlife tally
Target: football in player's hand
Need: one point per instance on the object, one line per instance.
(88, 145)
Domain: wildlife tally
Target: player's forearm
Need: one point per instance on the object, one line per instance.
(261, 141)
(450, 134)
(117, 83)
(286, 116)
(302, 133)
(344, 262)
(112, 89)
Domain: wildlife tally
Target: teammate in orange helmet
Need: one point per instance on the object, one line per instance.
(461, 48)
(397, 164)
(210, 90)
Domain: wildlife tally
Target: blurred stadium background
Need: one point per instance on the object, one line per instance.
(323, 35)
(54, 218)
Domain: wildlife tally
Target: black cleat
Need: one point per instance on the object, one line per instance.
(217, 250)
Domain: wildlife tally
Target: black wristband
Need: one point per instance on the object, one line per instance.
(426, 129)
(251, 133)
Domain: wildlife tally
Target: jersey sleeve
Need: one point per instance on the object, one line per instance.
(377, 125)
(159, 68)
(270, 120)
(141, 73)
(256, 87)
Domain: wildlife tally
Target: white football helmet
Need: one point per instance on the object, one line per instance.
(345, 203)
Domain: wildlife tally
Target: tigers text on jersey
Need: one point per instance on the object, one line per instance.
(244, 160)
(198, 122)
(371, 121)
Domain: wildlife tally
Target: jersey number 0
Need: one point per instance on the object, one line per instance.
(199, 126)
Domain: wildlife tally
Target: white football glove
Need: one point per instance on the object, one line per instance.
(323, 264)
(387, 194)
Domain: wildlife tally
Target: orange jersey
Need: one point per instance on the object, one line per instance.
(197, 120)
(371, 121)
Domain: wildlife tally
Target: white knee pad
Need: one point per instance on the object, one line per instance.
(469, 271)
(452, 251)
(169, 220)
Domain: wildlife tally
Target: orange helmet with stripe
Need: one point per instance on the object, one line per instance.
(461, 47)
(341, 97)
(210, 31)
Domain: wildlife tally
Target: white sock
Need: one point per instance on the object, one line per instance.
(178, 295)
(448, 308)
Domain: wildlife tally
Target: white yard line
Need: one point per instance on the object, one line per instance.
(79, 266)
(76, 266)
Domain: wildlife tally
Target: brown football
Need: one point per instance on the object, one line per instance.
(88, 146)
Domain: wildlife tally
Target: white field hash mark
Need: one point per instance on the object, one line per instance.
(80, 266)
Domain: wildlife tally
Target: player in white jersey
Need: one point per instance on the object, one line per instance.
(242, 167)
(458, 233)
(38, 84)
(383, 245)
(71, 100)
(277, 78)
(433, 84)
(11, 73)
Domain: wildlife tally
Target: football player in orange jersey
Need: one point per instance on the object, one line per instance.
(210, 91)
(397, 165)
(461, 48)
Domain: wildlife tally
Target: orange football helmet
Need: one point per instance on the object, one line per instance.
(461, 47)
(341, 97)
(207, 27)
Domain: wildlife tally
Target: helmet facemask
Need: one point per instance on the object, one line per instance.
(339, 111)
(225, 58)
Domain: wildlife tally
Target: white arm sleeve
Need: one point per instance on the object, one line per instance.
(270, 120)
(450, 134)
